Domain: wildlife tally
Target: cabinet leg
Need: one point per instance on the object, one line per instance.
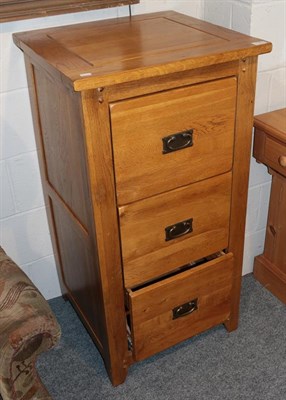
(117, 376)
(231, 324)
(65, 297)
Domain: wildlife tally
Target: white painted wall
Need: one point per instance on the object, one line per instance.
(265, 19)
(24, 231)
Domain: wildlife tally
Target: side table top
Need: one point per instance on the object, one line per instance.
(273, 123)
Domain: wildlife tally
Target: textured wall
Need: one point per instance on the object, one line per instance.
(266, 20)
(24, 231)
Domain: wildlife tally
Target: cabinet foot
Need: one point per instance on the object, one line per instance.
(231, 324)
(118, 376)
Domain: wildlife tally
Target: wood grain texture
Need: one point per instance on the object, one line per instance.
(156, 74)
(270, 148)
(270, 140)
(63, 144)
(271, 277)
(74, 243)
(145, 252)
(139, 125)
(176, 80)
(145, 46)
(275, 249)
(100, 170)
(41, 156)
(79, 266)
(275, 154)
(242, 146)
(274, 123)
(153, 326)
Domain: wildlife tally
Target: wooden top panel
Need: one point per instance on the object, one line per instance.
(119, 50)
(273, 123)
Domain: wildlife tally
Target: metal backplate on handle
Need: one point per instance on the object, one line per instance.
(179, 229)
(185, 309)
(178, 141)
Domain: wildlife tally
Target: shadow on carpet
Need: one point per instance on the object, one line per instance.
(248, 364)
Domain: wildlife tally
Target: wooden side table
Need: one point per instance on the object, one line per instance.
(270, 149)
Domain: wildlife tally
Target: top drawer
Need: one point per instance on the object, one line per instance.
(173, 138)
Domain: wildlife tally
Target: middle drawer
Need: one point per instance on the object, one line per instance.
(162, 233)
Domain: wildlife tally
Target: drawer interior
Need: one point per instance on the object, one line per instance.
(174, 308)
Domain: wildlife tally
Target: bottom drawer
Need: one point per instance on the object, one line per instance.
(176, 308)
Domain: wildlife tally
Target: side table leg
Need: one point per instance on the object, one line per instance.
(270, 267)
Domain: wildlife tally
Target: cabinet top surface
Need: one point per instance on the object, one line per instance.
(273, 123)
(119, 50)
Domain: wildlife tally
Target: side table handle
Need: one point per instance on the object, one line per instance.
(282, 161)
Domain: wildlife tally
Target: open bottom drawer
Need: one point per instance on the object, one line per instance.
(176, 308)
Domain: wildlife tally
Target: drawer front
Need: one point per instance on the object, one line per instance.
(196, 217)
(173, 138)
(177, 308)
(275, 155)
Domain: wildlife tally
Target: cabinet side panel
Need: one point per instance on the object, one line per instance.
(63, 144)
(61, 150)
(78, 266)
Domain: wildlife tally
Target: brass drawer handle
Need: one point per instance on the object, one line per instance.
(178, 141)
(282, 161)
(185, 309)
(179, 229)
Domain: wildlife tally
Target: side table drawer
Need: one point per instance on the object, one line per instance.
(169, 230)
(275, 155)
(181, 306)
(270, 152)
(171, 139)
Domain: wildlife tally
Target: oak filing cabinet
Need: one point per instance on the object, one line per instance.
(143, 127)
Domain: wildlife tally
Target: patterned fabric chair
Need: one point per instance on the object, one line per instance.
(27, 328)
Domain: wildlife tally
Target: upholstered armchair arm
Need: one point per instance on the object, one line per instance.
(28, 327)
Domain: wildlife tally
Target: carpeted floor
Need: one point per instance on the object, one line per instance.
(248, 364)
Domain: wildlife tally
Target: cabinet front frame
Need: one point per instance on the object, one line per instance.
(245, 70)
